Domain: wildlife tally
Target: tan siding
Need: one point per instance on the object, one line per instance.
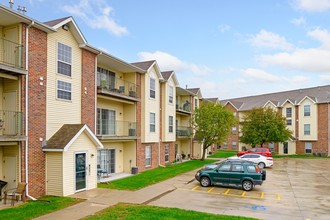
(13, 151)
(82, 145)
(312, 120)
(12, 86)
(119, 159)
(129, 156)
(61, 112)
(54, 173)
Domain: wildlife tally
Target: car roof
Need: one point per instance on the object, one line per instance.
(240, 161)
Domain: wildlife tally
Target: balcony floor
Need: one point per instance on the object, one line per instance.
(9, 138)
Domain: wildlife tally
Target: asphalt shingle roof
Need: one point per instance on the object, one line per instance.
(145, 65)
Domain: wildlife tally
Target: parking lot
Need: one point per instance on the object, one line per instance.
(294, 189)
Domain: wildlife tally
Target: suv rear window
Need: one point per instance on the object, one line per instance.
(251, 168)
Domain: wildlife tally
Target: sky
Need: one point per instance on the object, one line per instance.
(227, 48)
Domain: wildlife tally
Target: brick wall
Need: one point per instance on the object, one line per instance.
(88, 89)
(232, 137)
(323, 128)
(37, 110)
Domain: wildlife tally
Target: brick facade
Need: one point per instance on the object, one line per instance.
(233, 136)
(88, 92)
(37, 70)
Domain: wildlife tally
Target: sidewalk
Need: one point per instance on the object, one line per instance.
(98, 199)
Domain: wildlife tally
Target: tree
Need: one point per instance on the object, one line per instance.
(212, 123)
(263, 125)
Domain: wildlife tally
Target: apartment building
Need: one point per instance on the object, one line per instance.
(70, 111)
(307, 116)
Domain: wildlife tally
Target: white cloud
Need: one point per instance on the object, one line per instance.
(96, 16)
(266, 39)
(169, 62)
(322, 35)
(260, 75)
(325, 78)
(312, 5)
(223, 28)
(300, 79)
(299, 21)
(310, 60)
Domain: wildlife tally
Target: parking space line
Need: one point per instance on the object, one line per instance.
(236, 193)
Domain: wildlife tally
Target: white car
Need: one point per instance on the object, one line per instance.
(259, 159)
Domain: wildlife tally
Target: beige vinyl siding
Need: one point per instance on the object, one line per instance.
(312, 120)
(168, 109)
(10, 85)
(59, 111)
(151, 106)
(129, 154)
(82, 144)
(291, 147)
(292, 127)
(54, 173)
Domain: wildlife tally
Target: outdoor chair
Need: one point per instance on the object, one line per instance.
(15, 193)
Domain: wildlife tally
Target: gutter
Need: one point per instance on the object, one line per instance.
(27, 109)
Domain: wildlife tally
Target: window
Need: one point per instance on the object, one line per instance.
(152, 122)
(308, 147)
(289, 112)
(234, 145)
(225, 145)
(167, 152)
(289, 122)
(237, 168)
(307, 110)
(106, 78)
(63, 90)
(152, 87)
(106, 122)
(196, 103)
(225, 167)
(170, 124)
(235, 113)
(251, 169)
(307, 129)
(64, 59)
(148, 156)
(170, 94)
(233, 130)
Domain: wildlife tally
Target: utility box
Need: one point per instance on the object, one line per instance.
(135, 170)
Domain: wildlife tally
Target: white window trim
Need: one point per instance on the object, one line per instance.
(57, 60)
(148, 156)
(167, 153)
(170, 88)
(170, 125)
(152, 123)
(310, 113)
(310, 148)
(306, 130)
(152, 78)
(67, 100)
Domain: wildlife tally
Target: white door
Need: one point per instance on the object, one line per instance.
(9, 116)
(9, 171)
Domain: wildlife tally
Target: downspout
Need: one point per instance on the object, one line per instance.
(27, 109)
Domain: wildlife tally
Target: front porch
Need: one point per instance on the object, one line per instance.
(106, 178)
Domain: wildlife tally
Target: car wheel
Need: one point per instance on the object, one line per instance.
(205, 181)
(261, 165)
(247, 185)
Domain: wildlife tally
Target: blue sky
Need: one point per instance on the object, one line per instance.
(228, 48)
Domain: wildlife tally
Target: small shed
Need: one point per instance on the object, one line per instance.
(71, 160)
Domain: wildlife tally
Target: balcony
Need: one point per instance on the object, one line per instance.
(11, 126)
(183, 132)
(183, 107)
(12, 57)
(117, 130)
(119, 88)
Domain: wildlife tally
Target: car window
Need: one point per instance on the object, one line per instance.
(237, 168)
(224, 167)
(254, 156)
(252, 150)
(251, 168)
(246, 156)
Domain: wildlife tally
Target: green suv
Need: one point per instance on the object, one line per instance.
(232, 173)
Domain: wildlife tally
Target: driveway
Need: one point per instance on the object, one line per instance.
(294, 189)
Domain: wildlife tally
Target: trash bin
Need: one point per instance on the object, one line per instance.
(134, 170)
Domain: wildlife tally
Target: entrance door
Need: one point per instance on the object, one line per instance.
(9, 172)
(285, 148)
(9, 117)
(11, 49)
(80, 171)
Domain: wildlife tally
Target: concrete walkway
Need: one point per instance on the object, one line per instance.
(98, 199)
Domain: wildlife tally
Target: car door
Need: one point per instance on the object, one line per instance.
(236, 174)
(222, 174)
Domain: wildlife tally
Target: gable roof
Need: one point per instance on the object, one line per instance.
(212, 99)
(320, 94)
(66, 135)
(170, 74)
(147, 65)
(70, 22)
(196, 91)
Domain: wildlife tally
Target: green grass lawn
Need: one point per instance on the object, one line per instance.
(130, 211)
(153, 176)
(223, 154)
(32, 209)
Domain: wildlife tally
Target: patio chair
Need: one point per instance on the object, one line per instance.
(15, 193)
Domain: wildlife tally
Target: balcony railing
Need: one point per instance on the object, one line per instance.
(120, 87)
(116, 128)
(11, 123)
(11, 53)
(182, 131)
(183, 106)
